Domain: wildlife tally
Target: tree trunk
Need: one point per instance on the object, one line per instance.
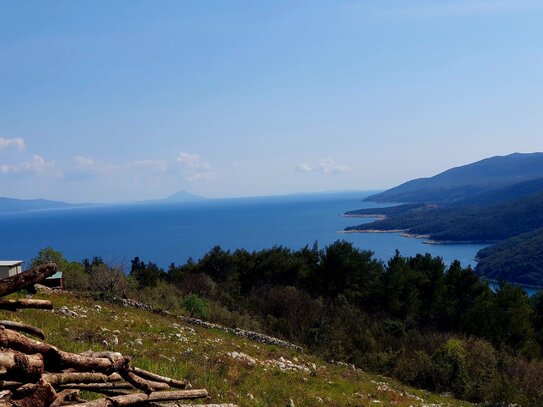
(19, 281)
(18, 366)
(157, 378)
(14, 305)
(17, 326)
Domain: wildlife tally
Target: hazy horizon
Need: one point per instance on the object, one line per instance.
(122, 101)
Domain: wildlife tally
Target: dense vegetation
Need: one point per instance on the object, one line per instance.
(460, 223)
(517, 259)
(499, 199)
(492, 175)
(435, 327)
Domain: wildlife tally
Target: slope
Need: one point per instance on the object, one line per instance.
(517, 259)
(464, 223)
(233, 369)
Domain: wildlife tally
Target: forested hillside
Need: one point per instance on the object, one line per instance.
(518, 259)
(433, 326)
(464, 223)
(489, 201)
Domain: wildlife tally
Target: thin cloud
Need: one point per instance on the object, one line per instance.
(325, 166)
(194, 167)
(83, 162)
(152, 165)
(37, 165)
(15, 143)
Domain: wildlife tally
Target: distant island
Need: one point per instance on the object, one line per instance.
(180, 196)
(499, 199)
(16, 205)
(19, 205)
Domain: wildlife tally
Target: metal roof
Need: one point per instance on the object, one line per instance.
(58, 274)
(10, 263)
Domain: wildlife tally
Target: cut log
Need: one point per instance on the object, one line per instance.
(18, 366)
(157, 378)
(81, 378)
(19, 281)
(138, 382)
(66, 397)
(104, 354)
(29, 329)
(14, 305)
(57, 360)
(10, 385)
(97, 386)
(136, 399)
(178, 395)
(14, 340)
(42, 395)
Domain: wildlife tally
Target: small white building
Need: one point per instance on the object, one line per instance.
(10, 268)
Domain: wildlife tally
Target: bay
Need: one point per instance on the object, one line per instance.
(173, 232)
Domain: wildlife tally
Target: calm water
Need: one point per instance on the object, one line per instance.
(168, 233)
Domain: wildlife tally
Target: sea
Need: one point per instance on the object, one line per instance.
(166, 233)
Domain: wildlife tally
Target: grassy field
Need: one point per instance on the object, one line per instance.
(232, 369)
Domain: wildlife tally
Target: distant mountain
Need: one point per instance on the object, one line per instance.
(14, 205)
(499, 199)
(184, 196)
(180, 196)
(461, 183)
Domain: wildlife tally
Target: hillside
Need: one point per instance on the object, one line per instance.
(468, 180)
(517, 259)
(233, 369)
(464, 223)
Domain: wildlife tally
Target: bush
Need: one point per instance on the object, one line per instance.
(482, 369)
(108, 281)
(449, 367)
(195, 306)
(162, 295)
(76, 278)
(414, 368)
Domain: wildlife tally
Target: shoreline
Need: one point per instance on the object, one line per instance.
(370, 216)
(372, 231)
(405, 233)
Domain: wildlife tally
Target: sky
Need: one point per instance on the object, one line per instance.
(104, 101)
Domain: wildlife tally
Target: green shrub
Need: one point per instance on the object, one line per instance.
(414, 368)
(76, 278)
(195, 306)
(482, 370)
(450, 368)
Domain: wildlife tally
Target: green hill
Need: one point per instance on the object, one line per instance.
(233, 369)
(464, 223)
(517, 259)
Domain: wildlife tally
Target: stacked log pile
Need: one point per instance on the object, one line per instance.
(34, 373)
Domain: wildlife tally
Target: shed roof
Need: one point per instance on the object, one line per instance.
(58, 274)
(10, 263)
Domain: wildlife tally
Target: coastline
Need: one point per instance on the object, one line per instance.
(405, 233)
(377, 216)
(372, 231)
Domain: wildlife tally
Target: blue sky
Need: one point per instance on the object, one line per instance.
(121, 100)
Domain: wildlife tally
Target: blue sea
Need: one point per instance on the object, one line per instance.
(174, 232)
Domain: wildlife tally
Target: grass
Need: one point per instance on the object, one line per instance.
(166, 346)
